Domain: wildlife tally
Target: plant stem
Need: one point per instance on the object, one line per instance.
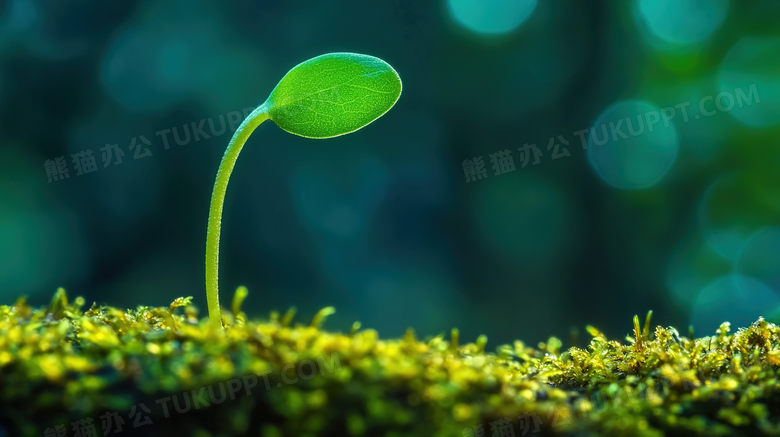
(243, 132)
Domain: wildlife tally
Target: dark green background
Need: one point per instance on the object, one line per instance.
(380, 224)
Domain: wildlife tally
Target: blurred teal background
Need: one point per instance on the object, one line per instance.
(382, 224)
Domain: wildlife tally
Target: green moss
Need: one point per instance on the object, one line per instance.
(60, 365)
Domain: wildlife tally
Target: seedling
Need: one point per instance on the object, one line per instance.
(324, 97)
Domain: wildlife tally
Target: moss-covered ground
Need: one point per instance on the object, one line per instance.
(66, 370)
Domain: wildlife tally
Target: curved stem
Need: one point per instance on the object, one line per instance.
(254, 119)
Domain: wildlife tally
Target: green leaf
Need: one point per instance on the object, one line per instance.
(333, 95)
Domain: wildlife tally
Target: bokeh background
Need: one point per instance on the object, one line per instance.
(382, 223)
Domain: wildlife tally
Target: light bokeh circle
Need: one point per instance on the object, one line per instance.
(737, 299)
(632, 145)
(751, 72)
(682, 22)
(491, 16)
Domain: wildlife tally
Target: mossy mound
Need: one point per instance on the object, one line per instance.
(162, 372)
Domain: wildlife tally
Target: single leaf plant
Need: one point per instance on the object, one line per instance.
(324, 97)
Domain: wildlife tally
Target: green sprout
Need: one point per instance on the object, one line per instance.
(324, 97)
